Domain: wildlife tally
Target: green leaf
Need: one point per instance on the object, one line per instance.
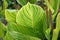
(59, 3)
(58, 22)
(47, 33)
(44, 19)
(8, 36)
(56, 31)
(51, 2)
(33, 1)
(55, 7)
(21, 29)
(2, 26)
(32, 16)
(3, 29)
(19, 36)
(29, 15)
(49, 6)
(24, 2)
(1, 33)
(5, 4)
(10, 15)
(55, 34)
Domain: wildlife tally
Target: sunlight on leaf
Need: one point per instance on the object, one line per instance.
(10, 15)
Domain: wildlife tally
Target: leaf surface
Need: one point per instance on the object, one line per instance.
(32, 16)
(10, 15)
(24, 2)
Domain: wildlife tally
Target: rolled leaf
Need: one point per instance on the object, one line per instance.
(56, 31)
(55, 34)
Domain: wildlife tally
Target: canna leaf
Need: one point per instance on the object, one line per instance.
(5, 4)
(56, 31)
(21, 29)
(23, 37)
(59, 3)
(55, 34)
(49, 6)
(10, 15)
(58, 22)
(3, 29)
(32, 16)
(47, 33)
(18, 36)
(2, 26)
(8, 36)
(55, 7)
(33, 1)
(29, 15)
(24, 2)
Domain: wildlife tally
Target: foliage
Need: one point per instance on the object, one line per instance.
(26, 21)
(22, 2)
(31, 22)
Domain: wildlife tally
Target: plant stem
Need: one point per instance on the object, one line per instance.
(47, 15)
(51, 21)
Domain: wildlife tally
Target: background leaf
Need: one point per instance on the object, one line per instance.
(21, 29)
(5, 4)
(3, 29)
(10, 15)
(24, 2)
(56, 31)
(58, 22)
